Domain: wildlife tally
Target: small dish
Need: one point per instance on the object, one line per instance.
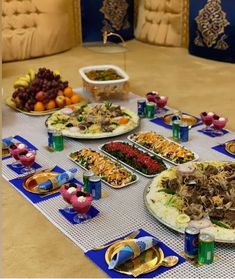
(230, 147)
(32, 181)
(189, 119)
(147, 261)
(107, 87)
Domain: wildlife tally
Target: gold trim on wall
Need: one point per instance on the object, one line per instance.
(185, 24)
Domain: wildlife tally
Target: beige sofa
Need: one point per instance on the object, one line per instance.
(32, 28)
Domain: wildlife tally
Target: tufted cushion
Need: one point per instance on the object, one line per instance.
(212, 29)
(32, 28)
(162, 22)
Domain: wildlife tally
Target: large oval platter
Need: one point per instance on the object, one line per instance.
(94, 121)
(12, 105)
(167, 207)
(169, 150)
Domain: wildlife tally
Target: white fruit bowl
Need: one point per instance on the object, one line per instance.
(107, 88)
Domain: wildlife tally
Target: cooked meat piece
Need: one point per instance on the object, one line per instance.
(210, 170)
(231, 178)
(229, 217)
(217, 213)
(230, 168)
(195, 211)
(173, 184)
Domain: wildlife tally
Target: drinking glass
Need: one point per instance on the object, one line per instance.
(81, 203)
(15, 150)
(151, 96)
(27, 160)
(219, 124)
(207, 119)
(67, 191)
(161, 103)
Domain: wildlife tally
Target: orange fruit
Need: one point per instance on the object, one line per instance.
(68, 101)
(51, 104)
(68, 92)
(39, 106)
(123, 120)
(75, 99)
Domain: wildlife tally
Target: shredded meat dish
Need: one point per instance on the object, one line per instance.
(208, 191)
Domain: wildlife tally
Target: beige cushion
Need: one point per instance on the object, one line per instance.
(161, 22)
(32, 28)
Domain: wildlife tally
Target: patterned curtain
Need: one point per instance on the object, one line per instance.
(212, 29)
(115, 16)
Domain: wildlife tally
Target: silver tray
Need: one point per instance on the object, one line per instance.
(123, 163)
(115, 161)
(159, 155)
(146, 190)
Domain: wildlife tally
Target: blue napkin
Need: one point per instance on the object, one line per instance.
(221, 148)
(212, 134)
(159, 121)
(19, 169)
(98, 257)
(36, 198)
(7, 140)
(93, 212)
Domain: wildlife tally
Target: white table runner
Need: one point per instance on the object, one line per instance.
(123, 210)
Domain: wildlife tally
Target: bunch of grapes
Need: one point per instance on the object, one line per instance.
(45, 80)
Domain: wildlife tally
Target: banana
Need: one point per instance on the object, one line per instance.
(31, 73)
(20, 83)
(27, 77)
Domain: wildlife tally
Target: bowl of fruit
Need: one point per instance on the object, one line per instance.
(42, 92)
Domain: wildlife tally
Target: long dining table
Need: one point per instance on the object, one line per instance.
(123, 210)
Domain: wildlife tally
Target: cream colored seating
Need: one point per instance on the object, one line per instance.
(32, 28)
(162, 22)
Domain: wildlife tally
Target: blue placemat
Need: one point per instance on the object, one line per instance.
(221, 148)
(98, 257)
(69, 216)
(22, 140)
(19, 169)
(36, 198)
(212, 134)
(159, 121)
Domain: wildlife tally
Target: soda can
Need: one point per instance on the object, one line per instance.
(206, 249)
(191, 236)
(95, 186)
(150, 110)
(141, 104)
(86, 185)
(184, 131)
(176, 129)
(50, 138)
(58, 140)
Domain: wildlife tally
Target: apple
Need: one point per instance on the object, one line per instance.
(60, 93)
(60, 101)
(40, 96)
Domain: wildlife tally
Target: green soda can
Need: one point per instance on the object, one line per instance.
(86, 184)
(206, 249)
(150, 110)
(176, 129)
(58, 140)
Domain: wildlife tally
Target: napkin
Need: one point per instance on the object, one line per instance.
(57, 181)
(132, 250)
